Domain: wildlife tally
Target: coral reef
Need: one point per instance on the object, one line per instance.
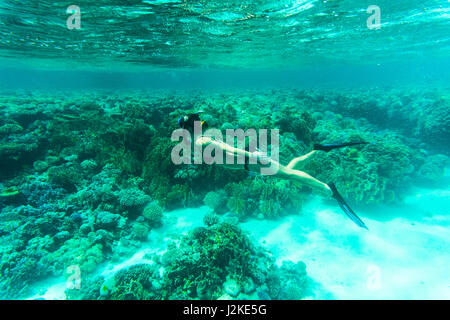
(84, 178)
(263, 195)
(216, 200)
(153, 213)
(209, 263)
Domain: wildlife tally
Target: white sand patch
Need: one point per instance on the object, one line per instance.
(53, 289)
(407, 257)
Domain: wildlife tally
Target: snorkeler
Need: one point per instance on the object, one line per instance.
(260, 160)
(187, 122)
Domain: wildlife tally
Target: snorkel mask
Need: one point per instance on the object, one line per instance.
(187, 122)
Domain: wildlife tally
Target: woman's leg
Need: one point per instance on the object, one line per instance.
(304, 178)
(297, 160)
(282, 171)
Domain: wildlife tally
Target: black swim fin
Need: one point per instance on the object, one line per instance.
(330, 146)
(344, 206)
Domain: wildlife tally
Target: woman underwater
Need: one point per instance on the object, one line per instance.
(256, 161)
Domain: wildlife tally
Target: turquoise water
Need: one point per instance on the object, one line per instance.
(93, 206)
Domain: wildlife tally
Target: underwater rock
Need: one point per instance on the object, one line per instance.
(373, 174)
(156, 285)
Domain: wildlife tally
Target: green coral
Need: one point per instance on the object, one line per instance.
(140, 230)
(65, 176)
(433, 170)
(134, 283)
(217, 251)
(266, 195)
(87, 165)
(82, 252)
(153, 213)
(371, 174)
(133, 200)
(211, 219)
(216, 200)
